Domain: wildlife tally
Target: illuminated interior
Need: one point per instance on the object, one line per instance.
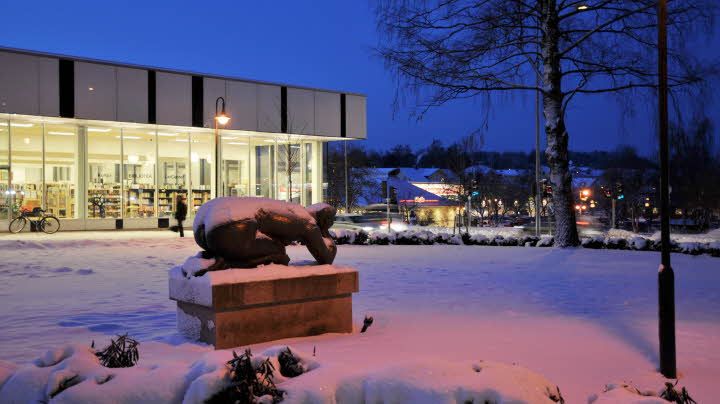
(82, 169)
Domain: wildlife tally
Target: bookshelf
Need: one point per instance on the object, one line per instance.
(140, 202)
(60, 199)
(167, 200)
(103, 201)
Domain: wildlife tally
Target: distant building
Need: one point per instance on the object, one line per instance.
(428, 192)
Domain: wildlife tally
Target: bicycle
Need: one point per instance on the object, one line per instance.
(47, 223)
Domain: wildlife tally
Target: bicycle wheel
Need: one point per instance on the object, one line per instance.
(17, 225)
(50, 224)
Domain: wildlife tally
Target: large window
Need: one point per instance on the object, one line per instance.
(264, 167)
(61, 170)
(104, 199)
(139, 152)
(26, 142)
(289, 171)
(308, 174)
(236, 165)
(5, 197)
(173, 169)
(202, 169)
(134, 171)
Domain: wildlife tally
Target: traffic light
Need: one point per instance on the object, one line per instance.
(607, 192)
(620, 193)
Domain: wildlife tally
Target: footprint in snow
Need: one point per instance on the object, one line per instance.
(61, 269)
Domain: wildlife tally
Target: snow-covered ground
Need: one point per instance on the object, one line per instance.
(581, 318)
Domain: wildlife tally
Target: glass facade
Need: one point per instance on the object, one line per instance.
(104, 179)
(61, 170)
(26, 164)
(79, 169)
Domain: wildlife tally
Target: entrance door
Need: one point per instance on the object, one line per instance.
(6, 197)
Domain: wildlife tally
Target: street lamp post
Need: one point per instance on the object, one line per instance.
(666, 277)
(537, 146)
(221, 118)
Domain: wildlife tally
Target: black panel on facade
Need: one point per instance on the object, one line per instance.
(283, 110)
(343, 117)
(197, 101)
(66, 72)
(118, 224)
(163, 223)
(152, 97)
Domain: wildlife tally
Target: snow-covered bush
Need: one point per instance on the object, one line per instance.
(624, 393)
(528, 241)
(506, 241)
(691, 248)
(545, 241)
(639, 243)
(475, 239)
(447, 238)
(381, 238)
(596, 242)
(348, 236)
(250, 381)
(616, 243)
(713, 248)
(614, 239)
(344, 236)
(361, 238)
(121, 353)
(414, 237)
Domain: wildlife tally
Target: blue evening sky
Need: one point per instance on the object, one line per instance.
(318, 43)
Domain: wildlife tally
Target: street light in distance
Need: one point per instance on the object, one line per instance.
(221, 118)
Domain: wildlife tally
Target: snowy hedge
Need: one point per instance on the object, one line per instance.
(614, 240)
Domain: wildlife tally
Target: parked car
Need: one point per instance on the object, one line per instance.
(369, 221)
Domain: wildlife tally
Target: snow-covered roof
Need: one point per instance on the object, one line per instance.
(410, 194)
(414, 174)
(509, 172)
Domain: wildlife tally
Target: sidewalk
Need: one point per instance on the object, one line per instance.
(94, 235)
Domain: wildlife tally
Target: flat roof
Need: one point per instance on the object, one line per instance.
(167, 70)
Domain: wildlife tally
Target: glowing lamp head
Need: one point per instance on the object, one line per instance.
(582, 7)
(222, 119)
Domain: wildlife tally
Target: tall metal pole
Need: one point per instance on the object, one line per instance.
(538, 195)
(387, 200)
(613, 223)
(217, 162)
(347, 200)
(537, 165)
(666, 277)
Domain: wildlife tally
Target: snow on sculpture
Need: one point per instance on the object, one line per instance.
(244, 232)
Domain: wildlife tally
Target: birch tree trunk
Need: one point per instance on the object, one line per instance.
(566, 234)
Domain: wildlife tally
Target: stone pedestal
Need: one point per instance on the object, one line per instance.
(237, 307)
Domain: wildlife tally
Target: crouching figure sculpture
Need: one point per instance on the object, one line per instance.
(247, 232)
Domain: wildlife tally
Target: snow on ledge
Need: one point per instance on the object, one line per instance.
(198, 289)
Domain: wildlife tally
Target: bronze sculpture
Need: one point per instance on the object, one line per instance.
(244, 232)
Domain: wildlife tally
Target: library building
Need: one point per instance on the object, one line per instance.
(103, 145)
